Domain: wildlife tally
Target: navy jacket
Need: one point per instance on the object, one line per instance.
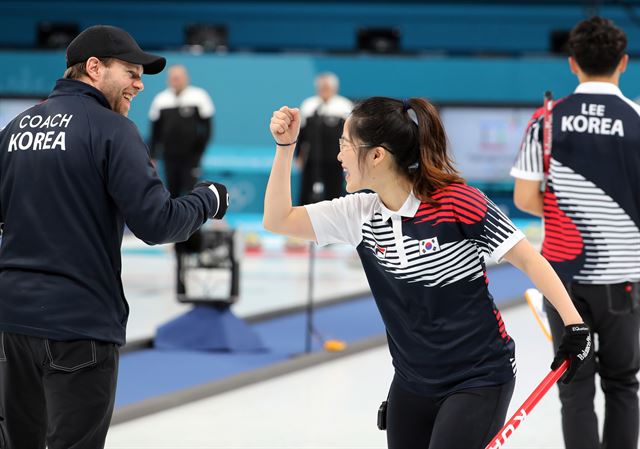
(72, 173)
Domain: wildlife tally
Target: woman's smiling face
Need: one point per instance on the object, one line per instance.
(348, 158)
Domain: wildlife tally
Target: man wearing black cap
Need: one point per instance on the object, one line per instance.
(73, 171)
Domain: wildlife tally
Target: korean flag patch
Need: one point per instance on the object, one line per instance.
(429, 245)
(380, 251)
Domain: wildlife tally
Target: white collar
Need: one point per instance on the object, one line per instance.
(598, 87)
(408, 209)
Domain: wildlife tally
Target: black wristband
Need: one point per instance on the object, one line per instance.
(286, 144)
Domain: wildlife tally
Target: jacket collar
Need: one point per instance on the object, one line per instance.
(408, 209)
(75, 87)
(598, 87)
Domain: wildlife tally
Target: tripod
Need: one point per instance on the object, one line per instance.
(321, 132)
(318, 193)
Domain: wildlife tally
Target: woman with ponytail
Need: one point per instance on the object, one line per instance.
(422, 235)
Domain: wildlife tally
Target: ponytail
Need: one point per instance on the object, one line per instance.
(411, 131)
(435, 169)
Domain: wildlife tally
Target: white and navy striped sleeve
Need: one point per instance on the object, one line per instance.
(530, 165)
(340, 220)
(498, 234)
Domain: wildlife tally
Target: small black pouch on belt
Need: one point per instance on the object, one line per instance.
(382, 416)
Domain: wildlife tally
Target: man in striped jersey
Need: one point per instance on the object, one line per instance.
(591, 209)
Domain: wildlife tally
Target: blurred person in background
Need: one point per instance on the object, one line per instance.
(588, 192)
(181, 127)
(73, 171)
(422, 236)
(322, 118)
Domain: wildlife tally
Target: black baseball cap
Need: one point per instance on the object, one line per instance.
(104, 41)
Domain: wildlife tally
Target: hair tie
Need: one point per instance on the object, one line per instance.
(412, 115)
(406, 107)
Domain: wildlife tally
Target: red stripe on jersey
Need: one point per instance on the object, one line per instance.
(540, 111)
(458, 202)
(536, 115)
(501, 327)
(562, 240)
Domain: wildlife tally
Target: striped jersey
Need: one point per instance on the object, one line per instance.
(426, 269)
(592, 184)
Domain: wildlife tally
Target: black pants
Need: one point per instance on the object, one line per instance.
(56, 393)
(613, 314)
(467, 419)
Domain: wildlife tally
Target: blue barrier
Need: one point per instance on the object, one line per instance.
(511, 27)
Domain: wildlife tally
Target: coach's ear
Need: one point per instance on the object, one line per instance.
(94, 68)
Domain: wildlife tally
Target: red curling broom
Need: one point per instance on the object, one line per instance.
(550, 380)
(525, 409)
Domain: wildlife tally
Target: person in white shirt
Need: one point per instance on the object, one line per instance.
(422, 236)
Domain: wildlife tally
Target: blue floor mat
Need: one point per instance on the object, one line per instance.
(150, 373)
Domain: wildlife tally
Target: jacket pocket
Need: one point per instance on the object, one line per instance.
(624, 298)
(124, 316)
(71, 356)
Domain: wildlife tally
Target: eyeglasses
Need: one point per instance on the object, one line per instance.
(346, 144)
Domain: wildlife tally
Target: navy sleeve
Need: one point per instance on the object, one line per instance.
(139, 194)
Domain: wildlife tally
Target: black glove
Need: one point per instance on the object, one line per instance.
(221, 193)
(576, 346)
